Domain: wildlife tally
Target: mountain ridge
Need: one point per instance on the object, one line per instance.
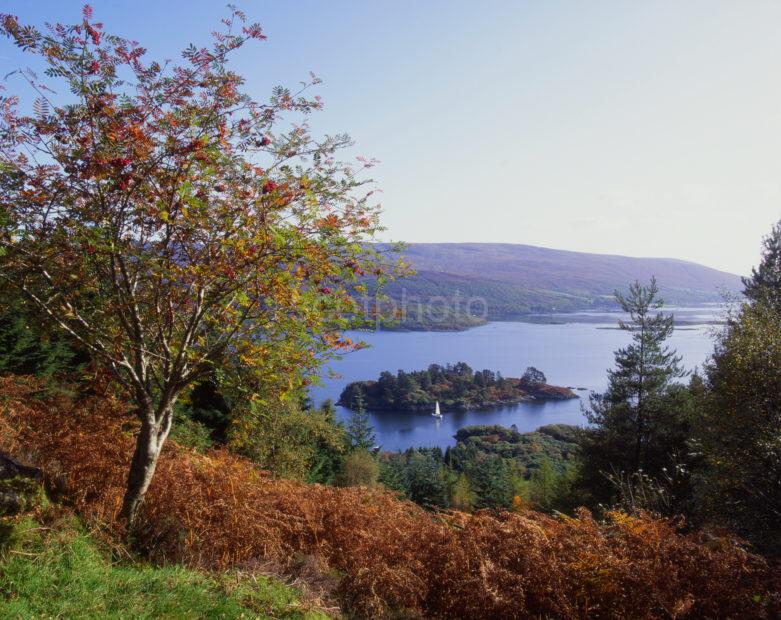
(517, 279)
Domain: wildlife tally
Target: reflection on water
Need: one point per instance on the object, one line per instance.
(574, 354)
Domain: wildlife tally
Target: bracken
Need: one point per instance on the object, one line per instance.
(393, 558)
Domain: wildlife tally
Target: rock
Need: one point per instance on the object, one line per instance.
(21, 487)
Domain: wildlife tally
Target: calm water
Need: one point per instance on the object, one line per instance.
(575, 354)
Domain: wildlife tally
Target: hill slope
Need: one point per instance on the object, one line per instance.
(519, 279)
(381, 556)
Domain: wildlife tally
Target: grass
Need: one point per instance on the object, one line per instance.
(61, 572)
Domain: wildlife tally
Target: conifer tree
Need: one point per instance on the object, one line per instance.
(393, 468)
(764, 285)
(636, 424)
(360, 433)
(462, 496)
(425, 482)
(491, 482)
(25, 348)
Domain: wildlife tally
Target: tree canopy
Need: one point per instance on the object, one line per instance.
(532, 376)
(739, 431)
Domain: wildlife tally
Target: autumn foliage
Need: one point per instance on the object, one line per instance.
(172, 224)
(219, 511)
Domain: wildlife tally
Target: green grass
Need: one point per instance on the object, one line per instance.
(62, 573)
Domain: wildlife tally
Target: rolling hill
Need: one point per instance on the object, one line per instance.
(522, 279)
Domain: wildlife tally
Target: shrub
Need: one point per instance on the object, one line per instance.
(300, 444)
(359, 468)
(190, 433)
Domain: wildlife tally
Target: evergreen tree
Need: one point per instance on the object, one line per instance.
(425, 482)
(360, 434)
(518, 482)
(328, 409)
(637, 423)
(764, 285)
(207, 405)
(26, 348)
(328, 454)
(393, 472)
(491, 482)
(306, 445)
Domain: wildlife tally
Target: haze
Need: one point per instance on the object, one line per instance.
(643, 129)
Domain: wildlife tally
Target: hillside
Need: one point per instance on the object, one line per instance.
(521, 279)
(377, 555)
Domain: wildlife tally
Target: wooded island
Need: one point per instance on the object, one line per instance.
(457, 387)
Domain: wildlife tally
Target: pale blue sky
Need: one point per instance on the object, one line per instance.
(627, 127)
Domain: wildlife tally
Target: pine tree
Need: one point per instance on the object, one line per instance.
(518, 482)
(329, 454)
(360, 433)
(26, 349)
(764, 285)
(425, 482)
(741, 404)
(393, 472)
(328, 409)
(533, 377)
(491, 482)
(636, 424)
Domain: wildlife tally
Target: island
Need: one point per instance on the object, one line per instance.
(456, 387)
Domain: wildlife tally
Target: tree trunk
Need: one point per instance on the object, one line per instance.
(149, 443)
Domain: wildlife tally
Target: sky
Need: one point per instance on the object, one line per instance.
(634, 128)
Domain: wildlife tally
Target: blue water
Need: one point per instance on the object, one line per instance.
(575, 354)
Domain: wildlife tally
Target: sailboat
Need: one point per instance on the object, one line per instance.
(437, 413)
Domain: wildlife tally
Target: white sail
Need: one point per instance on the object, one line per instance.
(436, 413)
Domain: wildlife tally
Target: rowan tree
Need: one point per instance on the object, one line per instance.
(169, 222)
